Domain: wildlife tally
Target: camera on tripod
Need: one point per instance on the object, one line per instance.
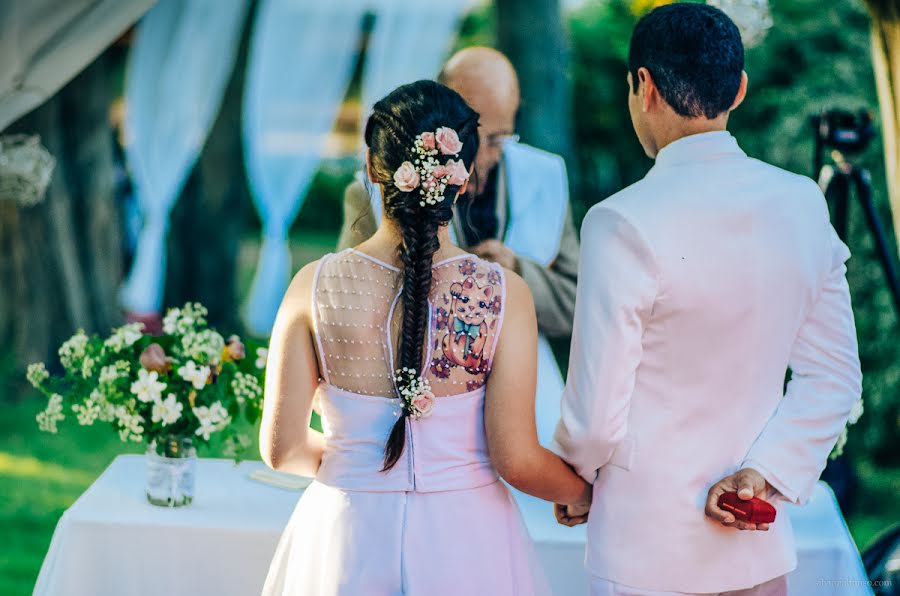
(845, 131)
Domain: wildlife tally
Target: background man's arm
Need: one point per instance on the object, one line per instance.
(553, 287)
(359, 219)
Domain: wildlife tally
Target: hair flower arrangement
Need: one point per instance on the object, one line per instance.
(415, 392)
(428, 174)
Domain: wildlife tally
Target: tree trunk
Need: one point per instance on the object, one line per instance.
(209, 218)
(60, 260)
(532, 34)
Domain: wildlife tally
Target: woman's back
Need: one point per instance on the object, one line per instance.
(356, 305)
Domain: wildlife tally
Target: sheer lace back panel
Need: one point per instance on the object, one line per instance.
(358, 313)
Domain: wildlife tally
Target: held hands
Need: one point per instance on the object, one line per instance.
(497, 252)
(577, 513)
(747, 483)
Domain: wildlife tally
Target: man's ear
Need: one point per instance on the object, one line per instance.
(369, 167)
(742, 92)
(647, 89)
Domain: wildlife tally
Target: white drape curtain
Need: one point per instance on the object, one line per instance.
(178, 69)
(302, 58)
(410, 41)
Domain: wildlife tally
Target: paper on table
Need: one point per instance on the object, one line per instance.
(280, 479)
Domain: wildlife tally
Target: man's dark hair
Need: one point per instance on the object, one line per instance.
(694, 54)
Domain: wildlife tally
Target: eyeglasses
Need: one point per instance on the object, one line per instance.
(498, 140)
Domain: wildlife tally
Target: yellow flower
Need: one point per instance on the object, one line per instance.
(641, 7)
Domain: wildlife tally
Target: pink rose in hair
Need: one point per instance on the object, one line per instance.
(448, 141)
(424, 403)
(406, 178)
(428, 140)
(458, 171)
(440, 171)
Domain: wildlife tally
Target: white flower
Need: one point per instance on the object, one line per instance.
(37, 374)
(90, 410)
(212, 419)
(72, 351)
(87, 367)
(147, 388)
(52, 414)
(124, 337)
(856, 412)
(261, 355)
(185, 319)
(245, 387)
(194, 375)
(130, 424)
(203, 346)
(112, 373)
(167, 411)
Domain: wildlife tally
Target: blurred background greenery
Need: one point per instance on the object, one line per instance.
(816, 56)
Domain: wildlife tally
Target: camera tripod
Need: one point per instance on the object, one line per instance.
(836, 181)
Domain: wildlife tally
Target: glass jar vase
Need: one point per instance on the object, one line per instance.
(171, 471)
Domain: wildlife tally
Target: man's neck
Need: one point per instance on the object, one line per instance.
(686, 127)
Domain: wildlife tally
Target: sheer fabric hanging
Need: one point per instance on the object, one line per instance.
(177, 72)
(302, 58)
(410, 41)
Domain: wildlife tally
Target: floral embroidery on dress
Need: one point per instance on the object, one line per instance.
(468, 267)
(440, 367)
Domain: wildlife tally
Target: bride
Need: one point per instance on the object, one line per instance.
(423, 359)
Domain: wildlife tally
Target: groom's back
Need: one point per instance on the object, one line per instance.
(740, 251)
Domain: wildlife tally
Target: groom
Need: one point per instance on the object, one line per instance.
(699, 286)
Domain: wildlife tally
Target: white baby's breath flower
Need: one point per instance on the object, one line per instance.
(245, 387)
(167, 411)
(124, 337)
(147, 388)
(203, 346)
(37, 374)
(130, 423)
(261, 355)
(52, 414)
(195, 375)
(90, 410)
(72, 351)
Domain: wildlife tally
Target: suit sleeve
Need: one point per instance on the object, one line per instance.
(617, 286)
(826, 382)
(553, 287)
(359, 220)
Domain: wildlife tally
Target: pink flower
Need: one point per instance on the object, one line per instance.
(448, 141)
(458, 172)
(424, 403)
(428, 140)
(440, 171)
(406, 178)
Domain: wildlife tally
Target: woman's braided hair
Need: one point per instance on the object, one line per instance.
(390, 135)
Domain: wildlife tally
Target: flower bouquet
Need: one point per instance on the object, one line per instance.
(174, 392)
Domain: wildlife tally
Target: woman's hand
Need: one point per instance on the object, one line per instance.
(576, 513)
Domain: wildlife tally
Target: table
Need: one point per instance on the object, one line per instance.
(112, 542)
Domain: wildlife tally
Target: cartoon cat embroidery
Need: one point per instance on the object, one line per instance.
(467, 332)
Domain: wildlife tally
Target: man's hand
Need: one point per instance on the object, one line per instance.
(573, 515)
(747, 483)
(497, 252)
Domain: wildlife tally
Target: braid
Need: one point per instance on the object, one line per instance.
(391, 131)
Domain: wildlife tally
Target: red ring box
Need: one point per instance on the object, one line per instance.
(754, 511)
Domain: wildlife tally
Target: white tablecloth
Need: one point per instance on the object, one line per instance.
(111, 542)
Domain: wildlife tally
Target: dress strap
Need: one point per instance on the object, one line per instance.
(314, 309)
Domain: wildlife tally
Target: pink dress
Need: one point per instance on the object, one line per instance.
(440, 522)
